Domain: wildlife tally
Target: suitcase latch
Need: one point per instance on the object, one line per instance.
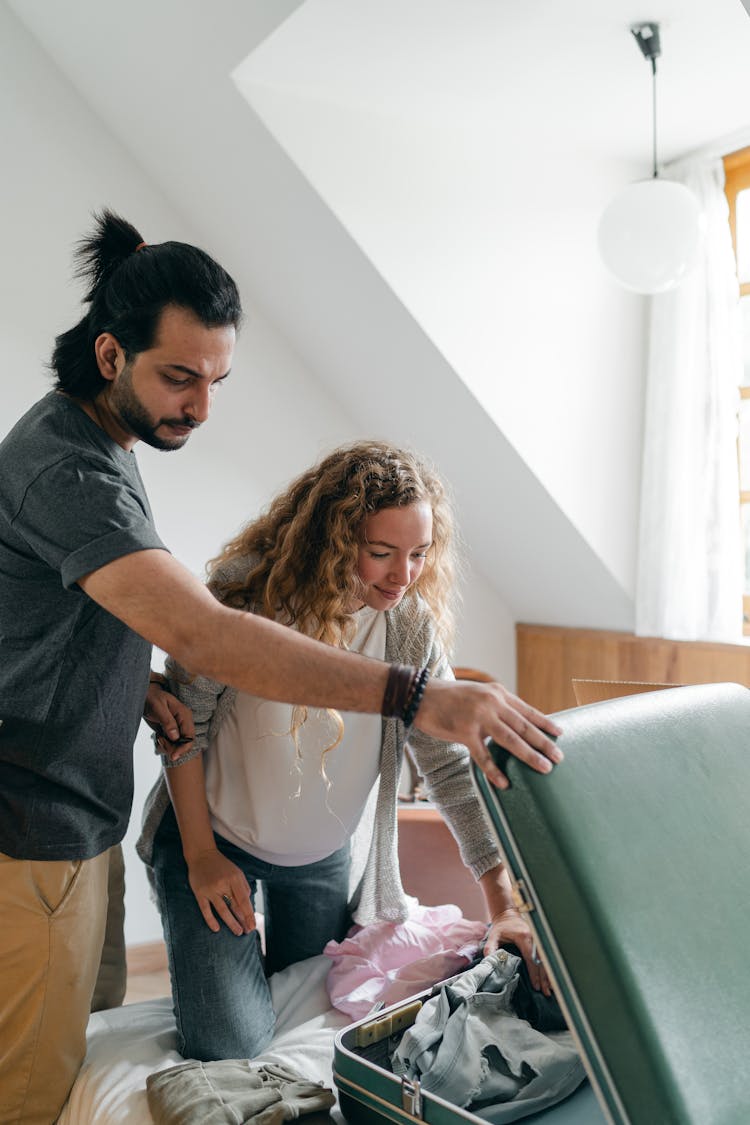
(411, 1097)
(521, 900)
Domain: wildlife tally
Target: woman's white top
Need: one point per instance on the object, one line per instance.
(275, 802)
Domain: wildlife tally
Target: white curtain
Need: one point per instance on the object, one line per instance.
(690, 569)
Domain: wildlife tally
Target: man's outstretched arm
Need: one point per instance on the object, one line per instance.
(162, 601)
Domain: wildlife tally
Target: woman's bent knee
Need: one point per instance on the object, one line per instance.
(209, 1043)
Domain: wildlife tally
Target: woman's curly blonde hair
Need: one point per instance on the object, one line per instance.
(303, 549)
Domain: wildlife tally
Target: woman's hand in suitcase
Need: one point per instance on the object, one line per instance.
(220, 888)
(471, 712)
(509, 928)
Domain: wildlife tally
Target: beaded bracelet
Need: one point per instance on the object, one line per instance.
(398, 689)
(410, 711)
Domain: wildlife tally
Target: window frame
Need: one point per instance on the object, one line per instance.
(737, 179)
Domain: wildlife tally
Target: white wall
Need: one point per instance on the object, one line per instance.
(273, 417)
(460, 188)
(486, 630)
(58, 165)
(384, 362)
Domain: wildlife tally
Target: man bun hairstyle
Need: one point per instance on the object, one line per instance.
(129, 284)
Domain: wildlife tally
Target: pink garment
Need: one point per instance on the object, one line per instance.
(389, 961)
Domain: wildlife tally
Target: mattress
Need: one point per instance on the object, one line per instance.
(125, 1045)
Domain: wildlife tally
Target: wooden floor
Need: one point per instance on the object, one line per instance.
(148, 975)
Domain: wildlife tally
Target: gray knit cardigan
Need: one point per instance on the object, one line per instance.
(377, 893)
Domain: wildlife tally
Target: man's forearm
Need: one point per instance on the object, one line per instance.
(162, 601)
(265, 659)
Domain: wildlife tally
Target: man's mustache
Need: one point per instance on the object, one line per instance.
(190, 423)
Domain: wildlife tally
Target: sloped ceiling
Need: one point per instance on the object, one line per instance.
(158, 74)
(467, 61)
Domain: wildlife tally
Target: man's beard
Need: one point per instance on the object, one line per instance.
(133, 416)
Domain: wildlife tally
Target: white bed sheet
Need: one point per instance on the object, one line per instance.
(125, 1045)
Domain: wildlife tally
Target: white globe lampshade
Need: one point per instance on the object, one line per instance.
(650, 234)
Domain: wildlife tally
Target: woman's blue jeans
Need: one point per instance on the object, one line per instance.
(222, 1002)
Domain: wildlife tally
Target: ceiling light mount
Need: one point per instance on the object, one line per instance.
(647, 37)
(650, 233)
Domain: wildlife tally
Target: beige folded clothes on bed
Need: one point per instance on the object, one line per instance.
(233, 1092)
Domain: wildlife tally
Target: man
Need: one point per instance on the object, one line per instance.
(86, 587)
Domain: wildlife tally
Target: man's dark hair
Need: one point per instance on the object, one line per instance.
(130, 285)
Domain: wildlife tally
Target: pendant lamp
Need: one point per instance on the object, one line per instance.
(650, 234)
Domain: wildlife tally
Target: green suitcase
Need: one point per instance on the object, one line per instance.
(370, 1094)
(630, 861)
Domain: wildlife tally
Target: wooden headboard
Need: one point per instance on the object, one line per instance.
(548, 658)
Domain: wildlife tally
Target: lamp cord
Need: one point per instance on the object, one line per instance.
(653, 110)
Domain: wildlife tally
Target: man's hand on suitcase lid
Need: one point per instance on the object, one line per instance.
(471, 713)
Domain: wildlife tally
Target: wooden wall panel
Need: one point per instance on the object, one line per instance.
(549, 658)
(431, 866)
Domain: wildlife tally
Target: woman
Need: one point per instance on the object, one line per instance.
(357, 552)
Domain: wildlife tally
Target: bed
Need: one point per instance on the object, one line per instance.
(125, 1045)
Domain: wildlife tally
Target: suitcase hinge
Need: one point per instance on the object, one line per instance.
(411, 1097)
(521, 900)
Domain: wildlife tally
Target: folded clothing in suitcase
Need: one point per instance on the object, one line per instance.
(631, 859)
(460, 1049)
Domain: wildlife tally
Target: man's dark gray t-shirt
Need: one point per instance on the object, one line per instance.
(73, 678)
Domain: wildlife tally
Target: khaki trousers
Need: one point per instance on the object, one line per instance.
(112, 980)
(53, 918)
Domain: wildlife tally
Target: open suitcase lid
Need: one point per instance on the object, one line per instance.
(632, 858)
